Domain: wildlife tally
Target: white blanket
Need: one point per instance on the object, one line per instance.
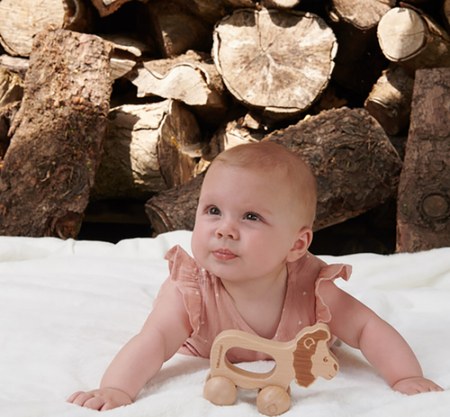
(66, 308)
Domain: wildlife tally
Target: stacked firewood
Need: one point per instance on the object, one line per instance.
(122, 99)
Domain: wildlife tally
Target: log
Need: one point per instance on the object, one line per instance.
(413, 40)
(11, 92)
(175, 208)
(21, 20)
(191, 78)
(50, 165)
(179, 147)
(125, 53)
(358, 60)
(176, 29)
(133, 164)
(14, 64)
(254, 52)
(123, 58)
(356, 166)
(423, 207)
(11, 87)
(363, 15)
(127, 44)
(107, 7)
(231, 134)
(7, 114)
(390, 100)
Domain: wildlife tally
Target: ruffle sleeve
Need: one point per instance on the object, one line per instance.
(328, 273)
(185, 274)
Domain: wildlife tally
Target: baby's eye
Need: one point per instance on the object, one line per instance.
(213, 211)
(252, 216)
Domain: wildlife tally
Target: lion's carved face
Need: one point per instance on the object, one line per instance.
(313, 358)
(324, 363)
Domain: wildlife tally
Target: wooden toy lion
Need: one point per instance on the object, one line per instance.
(304, 358)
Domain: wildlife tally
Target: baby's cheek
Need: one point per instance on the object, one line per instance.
(194, 245)
(198, 245)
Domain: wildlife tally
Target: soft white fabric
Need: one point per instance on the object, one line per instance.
(66, 308)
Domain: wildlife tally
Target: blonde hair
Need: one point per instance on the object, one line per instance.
(270, 157)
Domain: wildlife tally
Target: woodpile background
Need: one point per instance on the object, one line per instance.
(107, 103)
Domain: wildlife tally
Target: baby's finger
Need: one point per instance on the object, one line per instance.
(435, 387)
(72, 397)
(428, 386)
(81, 398)
(108, 406)
(95, 403)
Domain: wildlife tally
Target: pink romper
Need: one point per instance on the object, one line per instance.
(211, 309)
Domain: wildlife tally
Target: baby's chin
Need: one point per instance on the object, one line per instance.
(224, 270)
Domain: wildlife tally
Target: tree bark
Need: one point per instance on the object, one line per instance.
(356, 167)
(423, 208)
(21, 20)
(276, 62)
(390, 100)
(413, 40)
(149, 148)
(50, 165)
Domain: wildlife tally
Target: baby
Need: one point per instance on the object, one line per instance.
(251, 270)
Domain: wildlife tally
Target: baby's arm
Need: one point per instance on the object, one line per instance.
(358, 326)
(164, 331)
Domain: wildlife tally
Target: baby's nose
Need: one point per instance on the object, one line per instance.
(227, 229)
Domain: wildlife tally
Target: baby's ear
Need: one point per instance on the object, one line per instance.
(301, 244)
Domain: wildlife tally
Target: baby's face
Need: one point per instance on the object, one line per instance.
(246, 223)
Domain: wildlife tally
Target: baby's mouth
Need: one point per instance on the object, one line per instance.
(224, 254)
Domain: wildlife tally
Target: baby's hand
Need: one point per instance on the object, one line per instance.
(415, 385)
(100, 399)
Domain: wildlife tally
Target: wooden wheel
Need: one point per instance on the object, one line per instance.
(220, 390)
(273, 400)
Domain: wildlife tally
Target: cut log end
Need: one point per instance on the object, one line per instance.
(21, 20)
(253, 50)
(401, 33)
